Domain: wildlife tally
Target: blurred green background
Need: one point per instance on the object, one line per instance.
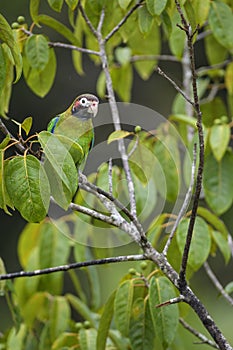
(156, 93)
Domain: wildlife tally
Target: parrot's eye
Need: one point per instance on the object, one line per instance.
(83, 101)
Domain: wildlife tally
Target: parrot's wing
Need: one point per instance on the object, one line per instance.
(92, 143)
(52, 124)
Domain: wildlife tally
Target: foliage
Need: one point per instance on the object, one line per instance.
(132, 317)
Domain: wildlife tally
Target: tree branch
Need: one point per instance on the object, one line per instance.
(77, 265)
(6, 132)
(122, 21)
(216, 283)
(115, 201)
(161, 72)
(170, 58)
(189, 34)
(73, 47)
(199, 335)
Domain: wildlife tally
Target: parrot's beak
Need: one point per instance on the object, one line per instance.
(93, 108)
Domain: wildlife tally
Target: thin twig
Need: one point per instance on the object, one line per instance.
(189, 34)
(101, 21)
(116, 122)
(73, 47)
(116, 219)
(110, 186)
(77, 265)
(203, 35)
(115, 201)
(122, 21)
(6, 132)
(161, 72)
(171, 301)
(134, 147)
(216, 283)
(63, 45)
(94, 214)
(137, 58)
(199, 335)
(213, 92)
(87, 20)
(204, 70)
(185, 204)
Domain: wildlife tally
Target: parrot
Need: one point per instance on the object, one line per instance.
(75, 124)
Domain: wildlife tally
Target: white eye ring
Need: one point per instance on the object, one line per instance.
(83, 101)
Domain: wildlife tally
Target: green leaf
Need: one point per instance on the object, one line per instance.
(122, 78)
(218, 182)
(101, 85)
(37, 51)
(4, 196)
(219, 139)
(123, 55)
(73, 147)
(59, 316)
(60, 168)
(28, 187)
(146, 197)
(149, 45)
(222, 243)
(2, 272)
(27, 124)
(41, 81)
(28, 241)
(2, 68)
(165, 319)
(122, 306)
(138, 172)
(36, 308)
(5, 142)
(229, 78)
(229, 288)
(56, 5)
(213, 220)
(156, 7)
(221, 23)
(177, 37)
(201, 9)
(16, 337)
(182, 118)
(72, 4)
(54, 249)
(213, 110)
(6, 36)
(82, 309)
(189, 9)
(167, 154)
(65, 340)
(215, 52)
(166, 23)
(59, 27)
(87, 339)
(118, 135)
(104, 323)
(79, 28)
(124, 3)
(201, 242)
(141, 333)
(34, 10)
(145, 20)
(5, 93)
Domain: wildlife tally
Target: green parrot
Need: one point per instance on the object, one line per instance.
(75, 125)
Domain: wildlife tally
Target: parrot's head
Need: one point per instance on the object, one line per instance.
(85, 106)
